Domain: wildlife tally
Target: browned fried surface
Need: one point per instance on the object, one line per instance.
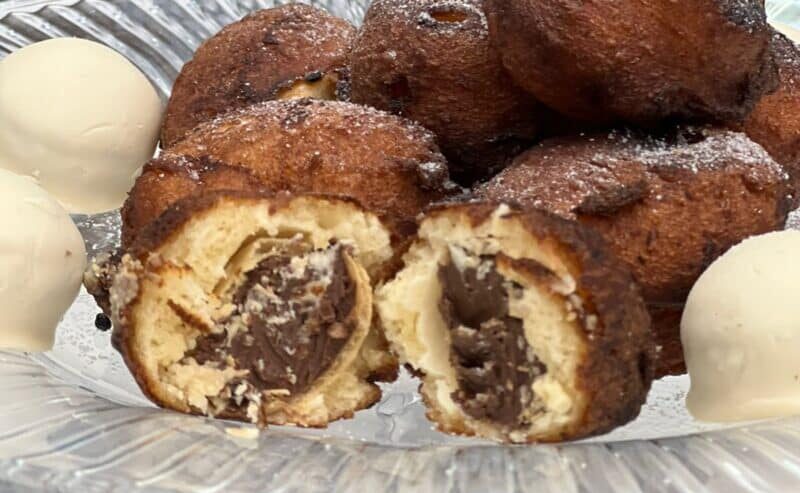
(251, 60)
(432, 62)
(388, 164)
(168, 178)
(618, 368)
(668, 206)
(666, 322)
(775, 122)
(638, 61)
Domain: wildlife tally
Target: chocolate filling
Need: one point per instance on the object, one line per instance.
(290, 323)
(495, 366)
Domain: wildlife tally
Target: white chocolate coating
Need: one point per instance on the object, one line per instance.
(741, 332)
(42, 258)
(78, 117)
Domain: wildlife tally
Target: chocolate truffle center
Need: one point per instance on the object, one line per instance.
(495, 366)
(291, 321)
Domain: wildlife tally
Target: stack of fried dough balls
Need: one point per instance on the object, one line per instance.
(511, 197)
(647, 93)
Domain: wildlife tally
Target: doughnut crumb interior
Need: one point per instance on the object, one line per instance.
(521, 325)
(255, 307)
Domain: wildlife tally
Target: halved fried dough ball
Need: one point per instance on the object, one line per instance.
(389, 164)
(293, 50)
(255, 307)
(637, 61)
(431, 61)
(667, 205)
(168, 178)
(523, 326)
(775, 122)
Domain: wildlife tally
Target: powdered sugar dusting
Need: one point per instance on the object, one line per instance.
(253, 60)
(787, 57)
(745, 13)
(293, 115)
(716, 149)
(301, 24)
(558, 174)
(423, 15)
(385, 162)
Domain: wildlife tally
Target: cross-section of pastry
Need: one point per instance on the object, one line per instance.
(775, 121)
(389, 164)
(523, 327)
(667, 205)
(255, 307)
(288, 51)
(637, 60)
(431, 61)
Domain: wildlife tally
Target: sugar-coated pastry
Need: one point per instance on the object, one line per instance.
(638, 61)
(288, 51)
(78, 117)
(255, 307)
(775, 121)
(42, 258)
(668, 205)
(522, 326)
(389, 164)
(741, 332)
(433, 62)
(168, 178)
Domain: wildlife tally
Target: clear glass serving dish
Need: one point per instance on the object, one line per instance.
(73, 419)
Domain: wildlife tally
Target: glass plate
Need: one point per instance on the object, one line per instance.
(73, 419)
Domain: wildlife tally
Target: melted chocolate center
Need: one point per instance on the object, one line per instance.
(494, 364)
(290, 324)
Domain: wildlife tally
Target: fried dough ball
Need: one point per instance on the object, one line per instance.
(431, 61)
(293, 50)
(523, 326)
(637, 61)
(388, 164)
(255, 307)
(168, 178)
(668, 205)
(775, 122)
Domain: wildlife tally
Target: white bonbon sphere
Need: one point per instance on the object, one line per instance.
(741, 332)
(80, 118)
(42, 258)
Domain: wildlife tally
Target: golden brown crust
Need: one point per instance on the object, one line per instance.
(390, 165)
(251, 60)
(641, 61)
(618, 368)
(667, 207)
(775, 121)
(432, 62)
(168, 178)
